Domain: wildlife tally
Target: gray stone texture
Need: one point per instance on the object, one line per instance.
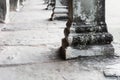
(86, 26)
(13, 5)
(50, 4)
(22, 59)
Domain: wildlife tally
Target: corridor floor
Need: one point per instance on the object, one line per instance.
(30, 37)
(29, 46)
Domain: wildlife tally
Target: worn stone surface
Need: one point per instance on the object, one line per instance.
(91, 39)
(112, 70)
(15, 55)
(27, 35)
(94, 50)
(59, 70)
(27, 63)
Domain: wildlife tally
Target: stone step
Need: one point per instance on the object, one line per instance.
(61, 10)
(61, 7)
(82, 39)
(91, 50)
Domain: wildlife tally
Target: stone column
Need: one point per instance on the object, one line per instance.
(22, 2)
(86, 33)
(18, 5)
(46, 1)
(4, 11)
(61, 7)
(14, 5)
(51, 4)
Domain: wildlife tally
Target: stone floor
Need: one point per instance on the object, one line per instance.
(29, 48)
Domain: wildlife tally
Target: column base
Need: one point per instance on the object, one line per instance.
(59, 13)
(91, 50)
(50, 6)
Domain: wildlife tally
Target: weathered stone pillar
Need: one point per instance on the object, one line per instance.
(86, 33)
(18, 5)
(46, 1)
(51, 4)
(22, 2)
(61, 7)
(14, 5)
(4, 11)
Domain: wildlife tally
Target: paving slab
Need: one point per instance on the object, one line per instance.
(112, 70)
(32, 37)
(50, 71)
(13, 55)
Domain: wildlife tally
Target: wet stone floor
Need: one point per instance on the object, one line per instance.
(29, 46)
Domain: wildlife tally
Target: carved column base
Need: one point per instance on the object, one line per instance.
(91, 50)
(51, 4)
(59, 13)
(85, 40)
(86, 31)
